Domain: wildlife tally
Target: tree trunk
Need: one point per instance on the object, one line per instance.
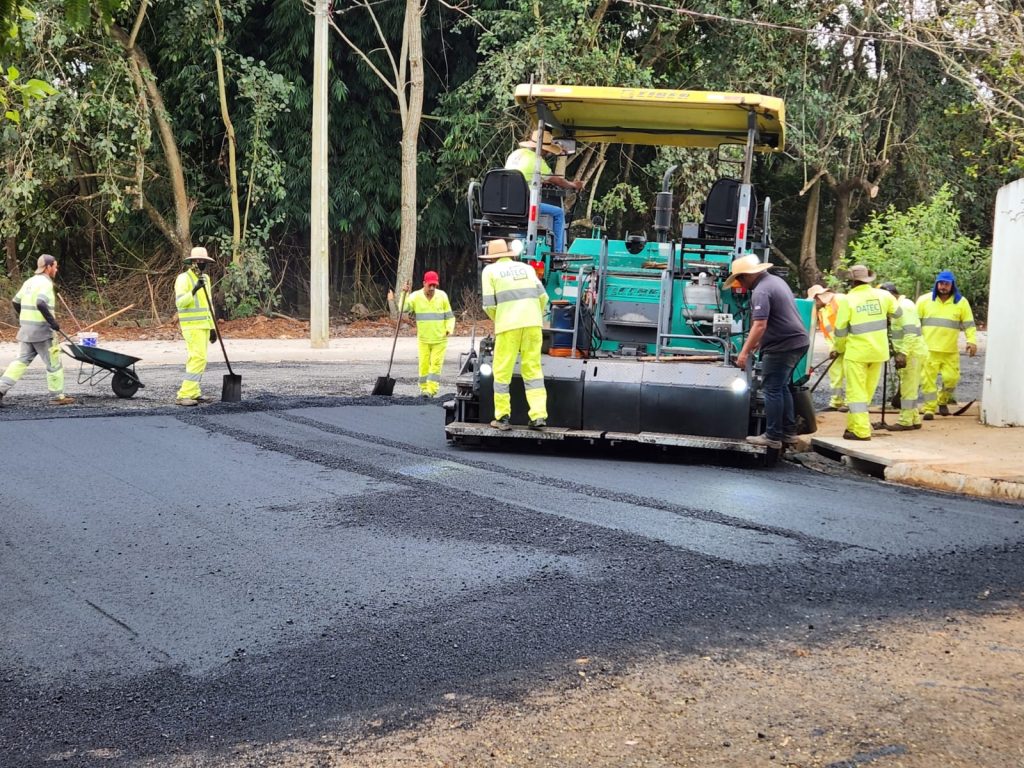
(841, 224)
(178, 233)
(412, 117)
(229, 130)
(11, 244)
(809, 272)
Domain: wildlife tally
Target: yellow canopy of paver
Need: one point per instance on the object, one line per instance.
(658, 116)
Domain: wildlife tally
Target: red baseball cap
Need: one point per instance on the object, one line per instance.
(430, 278)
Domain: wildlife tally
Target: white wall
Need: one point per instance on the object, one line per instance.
(1001, 402)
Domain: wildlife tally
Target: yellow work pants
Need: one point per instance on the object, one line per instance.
(910, 383)
(946, 365)
(431, 362)
(197, 341)
(524, 343)
(49, 353)
(836, 376)
(861, 383)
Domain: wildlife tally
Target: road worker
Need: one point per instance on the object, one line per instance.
(827, 304)
(911, 354)
(525, 160)
(34, 304)
(195, 315)
(515, 300)
(435, 322)
(944, 312)
(862, 337)
(778, 332)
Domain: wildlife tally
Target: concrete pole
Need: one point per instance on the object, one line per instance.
(1001, 403)
(319, 309)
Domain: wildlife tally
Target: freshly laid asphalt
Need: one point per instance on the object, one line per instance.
(314, 562)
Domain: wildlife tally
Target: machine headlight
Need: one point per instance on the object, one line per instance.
(485, 369)
(739, 386)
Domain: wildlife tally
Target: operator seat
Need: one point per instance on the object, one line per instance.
(505, 205)
(722, 209)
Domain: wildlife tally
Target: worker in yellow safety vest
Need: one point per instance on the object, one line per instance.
(435, 322)
(197, 327)
(827, 303)
(34, 304)
(862, 337)
(515, 299)
(911, 354)
(944, 312)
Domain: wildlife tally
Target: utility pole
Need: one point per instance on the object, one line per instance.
(319, 309)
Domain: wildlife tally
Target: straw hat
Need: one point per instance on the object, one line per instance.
(858, 273)
(548, 142)
(746, 265)
(496, 249)
(820, 291)
(198, 254)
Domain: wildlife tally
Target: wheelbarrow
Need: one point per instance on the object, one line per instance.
(103, 363)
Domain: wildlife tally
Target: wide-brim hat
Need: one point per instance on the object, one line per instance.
(547, 143)
(198, 254)
(859, 273)
(746, 265)
(817, 290)
(497, 249)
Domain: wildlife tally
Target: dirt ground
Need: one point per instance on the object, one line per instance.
(946, 691)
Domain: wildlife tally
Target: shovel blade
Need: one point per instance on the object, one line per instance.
(384, 386)
(231, 392)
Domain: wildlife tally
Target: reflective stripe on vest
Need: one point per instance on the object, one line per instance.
(36, 287)
(513, 295)
(942, 321)
(434, 316)
(196, 315)
(863, 324)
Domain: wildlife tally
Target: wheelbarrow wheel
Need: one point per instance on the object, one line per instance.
(123, 384)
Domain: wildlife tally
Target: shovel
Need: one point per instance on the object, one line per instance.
(231, 391)
(385, 385)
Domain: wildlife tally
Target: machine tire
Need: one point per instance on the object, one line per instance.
(123, 384)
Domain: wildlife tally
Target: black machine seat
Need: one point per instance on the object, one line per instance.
(504, 195)
(722, 209)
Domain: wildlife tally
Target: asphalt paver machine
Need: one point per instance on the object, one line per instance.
(643, 337)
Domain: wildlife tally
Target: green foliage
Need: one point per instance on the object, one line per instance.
(619, 199)
(249, 288)
(910, 248)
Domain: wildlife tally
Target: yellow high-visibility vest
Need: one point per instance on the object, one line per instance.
(193, 310)
(33, 324)
(942, 321)
(513, 296)
(434, 317)
(906, 330)
(862, 333)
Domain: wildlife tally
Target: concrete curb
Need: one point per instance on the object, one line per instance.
(954, 482)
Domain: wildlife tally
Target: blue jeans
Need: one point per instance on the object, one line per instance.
(777, 372)
(557, 224)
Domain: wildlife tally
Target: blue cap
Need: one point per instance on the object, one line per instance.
(946, 276)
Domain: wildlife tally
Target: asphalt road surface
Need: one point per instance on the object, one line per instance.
(179, 581)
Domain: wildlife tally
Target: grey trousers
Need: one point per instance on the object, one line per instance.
(27, 352)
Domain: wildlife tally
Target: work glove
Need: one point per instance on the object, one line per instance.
(833, 354)
(56, 327)
(199, 285)
(900, 361)
(213, 336)
(972, 350)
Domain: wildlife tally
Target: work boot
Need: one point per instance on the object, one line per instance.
(187, 401)
(917, 426)
(902, 427)
(843, 409)
(537, 424)
(502, 424)
(202, 399)
(790, 439)
(765, 441)
(63, 400)
(943, 410)
(848, 435)
(1, 399)
(928, 416)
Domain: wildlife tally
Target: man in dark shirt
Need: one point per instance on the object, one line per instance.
(779, 333)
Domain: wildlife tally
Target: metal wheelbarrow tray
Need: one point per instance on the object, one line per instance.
(104, 362)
